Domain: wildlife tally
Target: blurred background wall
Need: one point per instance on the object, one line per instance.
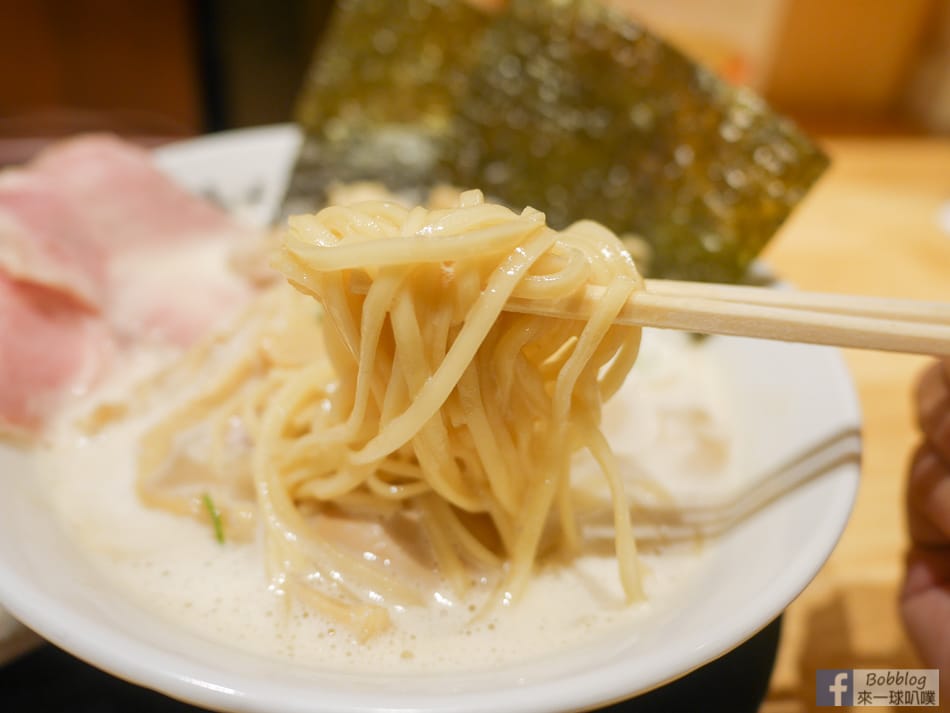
(840, 64)
(162, 69)
(154, 70)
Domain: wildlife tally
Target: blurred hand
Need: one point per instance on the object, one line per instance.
(925, 600)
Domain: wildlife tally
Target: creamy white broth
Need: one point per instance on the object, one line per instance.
(670, 422)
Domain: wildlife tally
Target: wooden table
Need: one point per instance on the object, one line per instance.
(870, 227)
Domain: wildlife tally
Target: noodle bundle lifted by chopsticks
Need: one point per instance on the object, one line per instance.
(422, 398)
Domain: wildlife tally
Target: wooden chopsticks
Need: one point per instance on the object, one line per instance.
(877, 307)
(815, 318)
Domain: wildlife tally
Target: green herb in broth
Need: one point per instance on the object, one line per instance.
(215, 515)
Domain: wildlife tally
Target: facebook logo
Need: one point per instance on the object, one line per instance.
(834, 687)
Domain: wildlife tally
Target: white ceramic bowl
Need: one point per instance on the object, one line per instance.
(786, 399)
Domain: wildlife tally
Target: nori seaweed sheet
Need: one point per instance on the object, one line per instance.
(564, 105)
(382, 95)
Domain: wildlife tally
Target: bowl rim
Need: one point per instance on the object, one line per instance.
(123, 655)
